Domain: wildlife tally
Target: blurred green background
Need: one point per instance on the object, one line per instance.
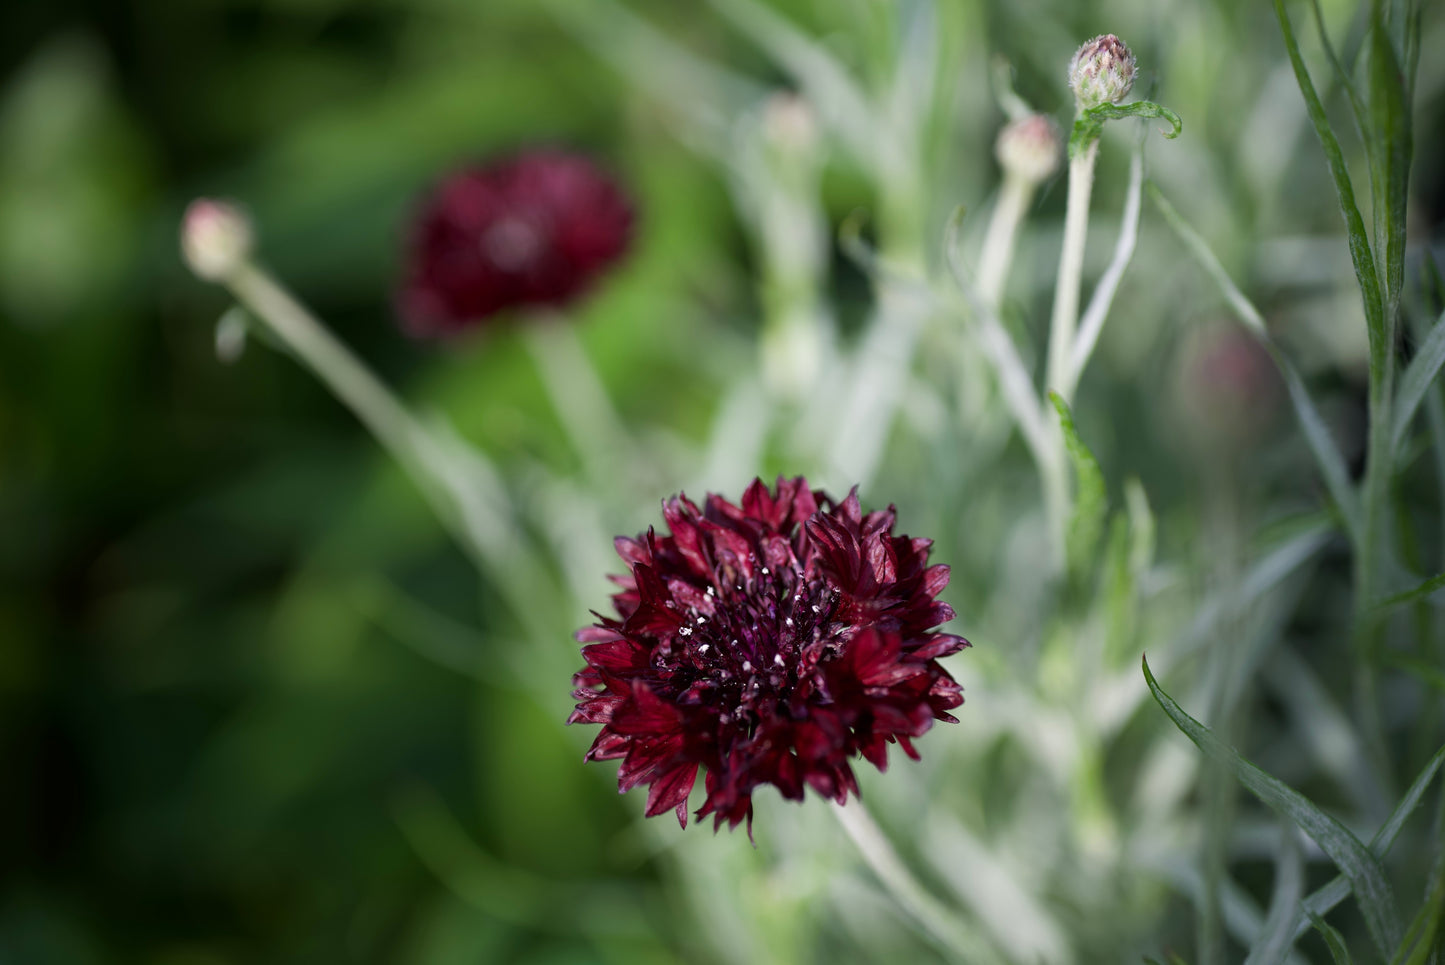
(249, 704)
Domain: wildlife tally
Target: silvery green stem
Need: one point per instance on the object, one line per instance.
(1054, 471)
(940, 921)
(1071, 268)
(347, 378)
(461, 485)
(999, 240)
(578, 396)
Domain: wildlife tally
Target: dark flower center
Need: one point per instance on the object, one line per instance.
(751, 650)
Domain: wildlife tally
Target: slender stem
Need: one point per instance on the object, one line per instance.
(342, 372)
(939, 920)
(1092, 322)
(1071, 267)
(459, 483)
(999, 241)
(578, 396)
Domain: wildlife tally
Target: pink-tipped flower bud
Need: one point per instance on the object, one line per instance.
(1028, 148)
(216, 238)
(790, 124)
(1102, 72)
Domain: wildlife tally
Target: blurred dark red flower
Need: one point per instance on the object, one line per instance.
(767, 643)
(534, 229)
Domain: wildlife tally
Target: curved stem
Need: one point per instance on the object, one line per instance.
(1071, 268)
(462, 487)
(578, 397)
(999, 242)
(939, 920)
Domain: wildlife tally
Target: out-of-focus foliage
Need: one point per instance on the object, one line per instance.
(256, 706)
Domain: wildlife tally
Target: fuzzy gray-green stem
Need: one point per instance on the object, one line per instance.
(928, 911)
(459, 483)
(1071, 268)
(999, 241)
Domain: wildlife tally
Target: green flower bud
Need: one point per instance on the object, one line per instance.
(1102, 72)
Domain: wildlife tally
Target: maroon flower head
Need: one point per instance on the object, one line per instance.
(535, 229)
(767, 643)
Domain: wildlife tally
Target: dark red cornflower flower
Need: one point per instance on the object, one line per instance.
(767, 643)
(533, 229)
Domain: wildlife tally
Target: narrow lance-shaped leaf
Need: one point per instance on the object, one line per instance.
(1322, 445)
(1360, 866)
(1333, 940)
(1360, 253)
(1091, 501)
(1391, 142)
(1327, 896)
(1417, 378)
(1424, 589)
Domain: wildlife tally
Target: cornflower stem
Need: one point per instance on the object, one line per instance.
(458, 482)
(578, 396)
(1379, 471)
(344, 374)
(1053, 469)
(1071, 269)
(940, 921)
(999, 241)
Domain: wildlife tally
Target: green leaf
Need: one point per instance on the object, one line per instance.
(1391, 143)
(1090, 123)
(1360, 253)
(1342, 76)
(1425, 671)
(1417, 378)
(1333, 939)
(1327, 454)
(1091, 501)
(1361, 868)
(1426, 588)
(1421, 935)
(1326, 897)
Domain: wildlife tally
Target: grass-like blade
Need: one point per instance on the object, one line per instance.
(1342, 76)
(1322, 445)
(1417, 378)
(1361, 868)
(1333, 939)
(1391, 142)
(1420, 937)
(1360, 253)
(1427, 672)
(1091, 501)
(1426, 588)
(1327, 896)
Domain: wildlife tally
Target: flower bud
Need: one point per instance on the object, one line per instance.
(790, 124)
(216, 238)
(1028, 148)
(1102, 72)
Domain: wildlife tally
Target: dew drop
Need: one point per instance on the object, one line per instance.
(703, 648)
(789, 621)
(747, 666)
(778, 659)
(686, 631)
